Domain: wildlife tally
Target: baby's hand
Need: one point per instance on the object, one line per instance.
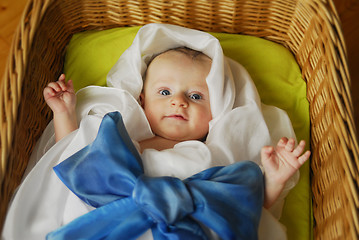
(281, 162)
(60, 96)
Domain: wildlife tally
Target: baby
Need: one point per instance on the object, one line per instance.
(176, 102)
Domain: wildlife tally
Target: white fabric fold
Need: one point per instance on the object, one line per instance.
(242, 125)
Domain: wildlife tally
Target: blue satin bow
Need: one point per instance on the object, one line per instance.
(108, 175)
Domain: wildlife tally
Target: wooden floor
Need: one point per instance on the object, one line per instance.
(348, 10)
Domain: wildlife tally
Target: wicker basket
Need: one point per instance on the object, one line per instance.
(310, 29)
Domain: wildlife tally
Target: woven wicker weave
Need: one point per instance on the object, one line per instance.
(310, 29)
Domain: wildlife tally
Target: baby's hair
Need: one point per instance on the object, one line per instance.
(187, 51)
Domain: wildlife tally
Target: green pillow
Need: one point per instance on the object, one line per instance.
(91, 55)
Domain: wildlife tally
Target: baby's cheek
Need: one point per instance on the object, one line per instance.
(150, 118)
(202, 126)
(206, 116)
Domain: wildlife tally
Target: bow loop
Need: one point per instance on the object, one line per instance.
(165, 199)
(111, 158)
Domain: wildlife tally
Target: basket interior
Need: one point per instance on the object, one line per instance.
(309, 29)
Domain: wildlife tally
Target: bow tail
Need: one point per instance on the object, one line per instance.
(119, 219)
(232, 205)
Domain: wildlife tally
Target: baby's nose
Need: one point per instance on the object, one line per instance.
(179, 100)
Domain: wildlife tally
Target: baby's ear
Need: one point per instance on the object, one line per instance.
(142, 100)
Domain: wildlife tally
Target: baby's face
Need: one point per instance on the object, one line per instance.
(176, 97)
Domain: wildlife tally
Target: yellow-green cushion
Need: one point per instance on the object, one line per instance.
(91, 55)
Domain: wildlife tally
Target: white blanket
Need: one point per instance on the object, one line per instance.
(240, 128)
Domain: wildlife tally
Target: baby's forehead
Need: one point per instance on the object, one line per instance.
(174, 57)
(178, 56)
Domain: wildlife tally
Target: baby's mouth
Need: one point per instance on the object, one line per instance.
(177, 117)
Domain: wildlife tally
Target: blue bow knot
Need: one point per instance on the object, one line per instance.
(148, 194)
(108, 175)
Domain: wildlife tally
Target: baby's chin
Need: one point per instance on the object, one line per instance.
(182, 138)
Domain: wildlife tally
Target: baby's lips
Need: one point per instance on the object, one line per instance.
(177, 116)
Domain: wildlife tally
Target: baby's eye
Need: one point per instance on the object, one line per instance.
(165, 92)
(195, 96)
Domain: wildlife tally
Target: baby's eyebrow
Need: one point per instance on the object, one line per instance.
(201, 88)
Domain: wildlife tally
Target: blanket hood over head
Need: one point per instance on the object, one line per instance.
(157, 38)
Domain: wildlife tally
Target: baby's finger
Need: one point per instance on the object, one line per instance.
(62, 85)
(49, 91)
(267, 156)
(290, 145)
(267, 150)
(70, 86)
(302, 159)
(299, 149)
(282, 142)
(62, 82)
(55, 86)
(62, 78)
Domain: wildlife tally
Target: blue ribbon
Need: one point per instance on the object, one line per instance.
(108, 175)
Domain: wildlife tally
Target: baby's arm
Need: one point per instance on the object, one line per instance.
(60, 97)
(280, 163)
